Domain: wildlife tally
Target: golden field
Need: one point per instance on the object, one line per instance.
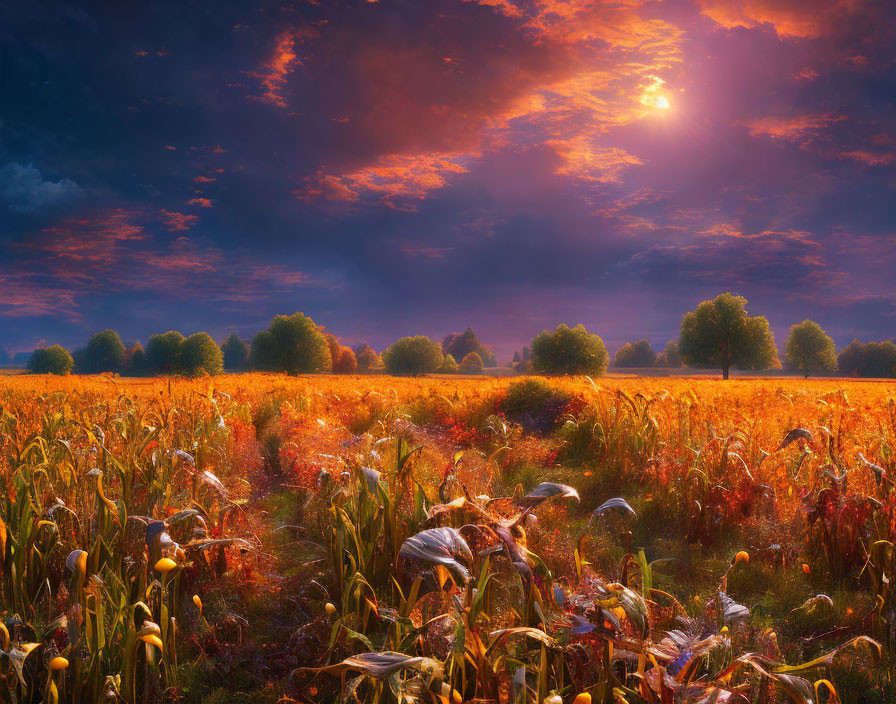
(257, 537)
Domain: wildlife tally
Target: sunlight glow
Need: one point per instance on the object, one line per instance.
(652, 96)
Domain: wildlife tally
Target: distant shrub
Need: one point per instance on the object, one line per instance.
(134, 361)
(413, 356)
(534, 404)
(471, 364)
(635, 354)
(868, 359)
(334, 347)
(449, 365)
(460, 344)
(162, 352)
(51, 360)
(200, 353)
(569, 351)
(521, 361)
(104, 353)
(235, 352)
(367, 358)
(345, 362)
(669, 357)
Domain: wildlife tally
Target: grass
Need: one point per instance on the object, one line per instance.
(270, 510)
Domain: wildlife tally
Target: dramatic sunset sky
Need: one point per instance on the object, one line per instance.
(416, 166)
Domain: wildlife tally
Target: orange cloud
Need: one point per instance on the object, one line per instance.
(200, 202)
(801, 128)
(178, 222)
(582, 159)
(275, 71)
(871, 158)
(24, 296)
(792, 18)
(112, 251)
(397, 180)
(583, 70)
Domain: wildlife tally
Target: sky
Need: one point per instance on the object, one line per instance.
(411, 167)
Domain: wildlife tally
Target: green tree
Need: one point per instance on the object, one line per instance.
(162, 352)
(569, 351)
(471, 364)
(635, 354)
(669, 357)
(849, 360)
(449, 365)
(54, 359)
(235, 352)
(200, 353)
(809, 347)
(413, 355)
(720, 333)
(879, 360)
(263, 352)
(104, 353)
(298, 345)
(868, 359)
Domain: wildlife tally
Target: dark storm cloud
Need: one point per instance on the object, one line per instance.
(400, 167)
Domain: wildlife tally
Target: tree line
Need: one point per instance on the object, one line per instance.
(718, 334)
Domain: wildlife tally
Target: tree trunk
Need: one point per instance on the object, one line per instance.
(725, 371)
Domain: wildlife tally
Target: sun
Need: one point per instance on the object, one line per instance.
(652, 96)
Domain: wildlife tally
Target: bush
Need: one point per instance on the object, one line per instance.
(134, 360)
(346, 362)
(569, 351)
(461, 344)
(162, 352)
(200, 353)
(235, 352)
(471, 364)
(367, 358)
(51, 360)
(669, 357)
(449, 365)
(521, 361)
(868, 359)
(635, 354)
(534, 404)
(104, 353)
(413, 355)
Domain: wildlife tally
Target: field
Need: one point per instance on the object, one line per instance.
(260, 538)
